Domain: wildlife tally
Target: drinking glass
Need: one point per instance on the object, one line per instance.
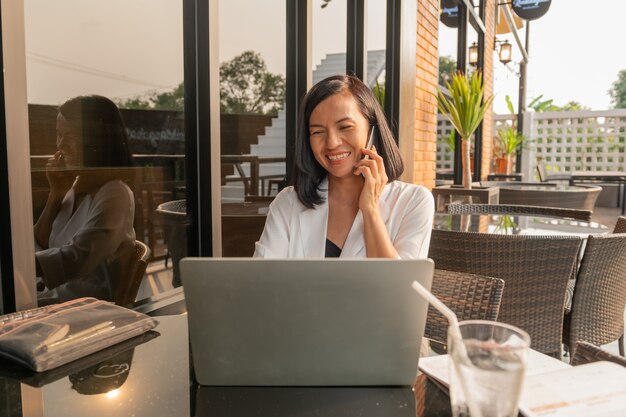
(487, 369)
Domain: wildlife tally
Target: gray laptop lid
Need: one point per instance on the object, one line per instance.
(305, 322)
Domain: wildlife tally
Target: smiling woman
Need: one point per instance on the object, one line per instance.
(346, 200)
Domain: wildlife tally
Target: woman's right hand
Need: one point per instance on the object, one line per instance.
(59, 179)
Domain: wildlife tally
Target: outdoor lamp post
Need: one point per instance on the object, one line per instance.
(473, 54)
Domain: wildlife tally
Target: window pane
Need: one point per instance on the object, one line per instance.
(329, 38)
(252, 94)
(376, 43)
(106, 117)
(448, 32)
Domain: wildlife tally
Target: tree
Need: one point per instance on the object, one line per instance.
(247, 87)
(169, 100)
(447, 67)
(539, 105)
(618, 91)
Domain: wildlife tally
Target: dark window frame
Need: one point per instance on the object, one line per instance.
(196, 44)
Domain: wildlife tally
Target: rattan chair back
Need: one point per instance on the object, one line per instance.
(535, 270)
(457, 208)
(543, 175)
(127, 285)
(597, 313)
(176, 227)
(471, 297)
(588, 353)
(620, 226)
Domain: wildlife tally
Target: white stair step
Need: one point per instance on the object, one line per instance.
(272, 141)
(270, 150)
(277, 122)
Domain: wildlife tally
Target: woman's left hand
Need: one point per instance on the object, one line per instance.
(373, 171)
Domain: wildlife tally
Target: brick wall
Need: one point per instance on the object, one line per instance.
(488, 82)
(427, 63)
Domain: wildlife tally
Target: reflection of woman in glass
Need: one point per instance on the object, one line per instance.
(86, 227)
(346, 200)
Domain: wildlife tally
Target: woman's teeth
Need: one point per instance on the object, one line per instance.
(339, 156)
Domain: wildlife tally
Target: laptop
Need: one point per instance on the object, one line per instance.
(306, 322)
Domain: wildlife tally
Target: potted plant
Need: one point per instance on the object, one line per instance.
(510, 141)
(465, 108)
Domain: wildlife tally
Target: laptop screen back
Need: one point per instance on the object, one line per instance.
(263, 322)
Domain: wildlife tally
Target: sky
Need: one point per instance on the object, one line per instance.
(575, 54)
(125, 48)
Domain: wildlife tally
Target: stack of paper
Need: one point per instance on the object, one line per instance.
(555, 389)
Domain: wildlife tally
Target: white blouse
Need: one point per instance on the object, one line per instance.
(85, 246)
(294, 231)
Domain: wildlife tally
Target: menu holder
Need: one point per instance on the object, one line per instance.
(45, 338)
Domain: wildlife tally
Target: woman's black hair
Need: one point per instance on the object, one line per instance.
(308, 173)
(105, 142)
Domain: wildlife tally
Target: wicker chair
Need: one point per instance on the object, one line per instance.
(620, 226)
(127, 286)
(516, 184)
(176, 226)
(471, 297)
(586, 353)
(583, 197)
(456, 208)
(535, 269)
(544, 176)
(597, 313)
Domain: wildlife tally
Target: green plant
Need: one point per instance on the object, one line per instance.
(465, 108)
(448, 140)
(379, 93)
(507, 226)
(510, 141)
(451, 140)
(537, 105)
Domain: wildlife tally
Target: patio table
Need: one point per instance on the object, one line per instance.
(155, 378)
(616, 177)
(516, 224)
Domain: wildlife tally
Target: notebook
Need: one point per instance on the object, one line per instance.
(309, 322)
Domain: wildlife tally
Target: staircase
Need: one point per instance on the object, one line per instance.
(272, 143)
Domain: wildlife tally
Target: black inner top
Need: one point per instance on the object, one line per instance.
(332, 250)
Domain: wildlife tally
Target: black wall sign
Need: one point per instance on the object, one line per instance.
(449, 13)
(529, 9)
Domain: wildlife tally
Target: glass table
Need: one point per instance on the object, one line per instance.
(514, 224)
(153, 378)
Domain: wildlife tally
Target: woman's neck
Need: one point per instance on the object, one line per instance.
(89, 184)
(345, 191)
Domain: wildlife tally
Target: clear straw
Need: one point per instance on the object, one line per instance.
(455, 332)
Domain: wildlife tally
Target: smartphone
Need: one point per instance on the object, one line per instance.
(370, 141)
